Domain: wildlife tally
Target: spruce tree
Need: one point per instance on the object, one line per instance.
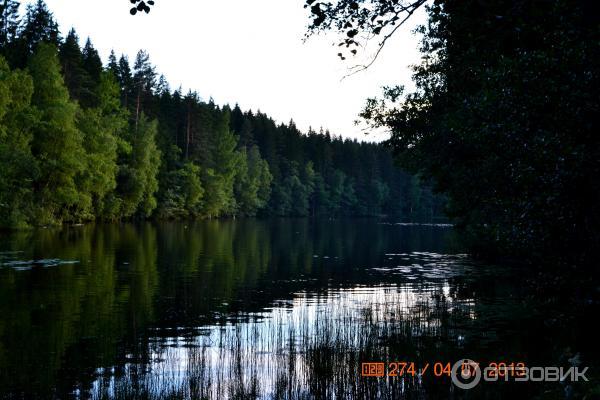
(39, 26)
(9, 23)
(113, 64)
(71, 59)
(91, 61)
(125, 81)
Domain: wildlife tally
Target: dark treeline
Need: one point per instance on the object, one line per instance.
(503, 119)
(80, 140)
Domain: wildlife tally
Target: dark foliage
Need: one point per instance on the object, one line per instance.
(115, 142)
(503, 118)
(140, 5)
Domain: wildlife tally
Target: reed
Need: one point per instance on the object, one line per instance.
(313, 349)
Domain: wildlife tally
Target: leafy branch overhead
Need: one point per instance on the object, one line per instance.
(373, 18)
(141, 5)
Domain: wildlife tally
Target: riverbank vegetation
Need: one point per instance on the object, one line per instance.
(80, 140)
(502, 115)
(161, 310)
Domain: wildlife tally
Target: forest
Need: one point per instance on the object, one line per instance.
(503, 119)
(84, 140)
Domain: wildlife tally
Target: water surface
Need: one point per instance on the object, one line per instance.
(285, 309)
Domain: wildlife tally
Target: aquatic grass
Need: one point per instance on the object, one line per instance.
(312, 351)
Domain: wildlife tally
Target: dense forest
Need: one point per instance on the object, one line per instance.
(82, 140)
(503, 119)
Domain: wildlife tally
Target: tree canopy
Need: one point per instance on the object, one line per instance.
(82, 140)
(502, 118)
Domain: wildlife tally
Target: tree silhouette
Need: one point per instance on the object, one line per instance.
(504, 95)
(359, 21)
(141, 5)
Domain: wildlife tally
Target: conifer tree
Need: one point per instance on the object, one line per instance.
(71, 59)
(91, 61)
(144, 79)
(113, 64)
(39, 26)
(117, 144)
(125, 80)
(92, 64)
(9, 23)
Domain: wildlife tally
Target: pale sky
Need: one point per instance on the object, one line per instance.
(247, 52)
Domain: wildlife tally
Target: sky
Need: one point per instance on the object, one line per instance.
(248, 52)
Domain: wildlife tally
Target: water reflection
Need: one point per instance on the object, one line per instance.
(258, 309)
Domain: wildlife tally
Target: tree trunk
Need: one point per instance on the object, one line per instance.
(189, 127)
(137, 109)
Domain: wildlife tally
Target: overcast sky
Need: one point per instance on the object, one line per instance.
(246, 52)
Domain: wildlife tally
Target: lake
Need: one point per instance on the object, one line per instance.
(284, 308)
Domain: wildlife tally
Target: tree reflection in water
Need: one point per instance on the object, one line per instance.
(266, 309)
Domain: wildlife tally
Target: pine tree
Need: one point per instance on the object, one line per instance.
(144, 79)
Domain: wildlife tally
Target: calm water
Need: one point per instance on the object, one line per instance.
(284, 309)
